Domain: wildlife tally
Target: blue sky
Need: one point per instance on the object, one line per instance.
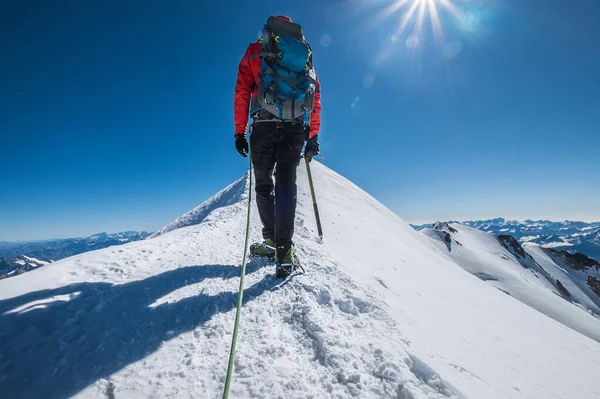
(116, 116)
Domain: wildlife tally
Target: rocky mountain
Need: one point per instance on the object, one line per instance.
(577, 273)
(62, 248)
(571, 236)
(20, 265)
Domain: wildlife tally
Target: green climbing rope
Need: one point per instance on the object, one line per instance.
(241, 288)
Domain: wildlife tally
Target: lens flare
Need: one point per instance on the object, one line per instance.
(415, 13)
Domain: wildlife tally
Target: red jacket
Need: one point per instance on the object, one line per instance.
(245, 89)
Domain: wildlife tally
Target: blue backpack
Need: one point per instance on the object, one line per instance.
(287, 81)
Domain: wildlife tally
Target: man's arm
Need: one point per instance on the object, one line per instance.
(243, 93)
(315, 117)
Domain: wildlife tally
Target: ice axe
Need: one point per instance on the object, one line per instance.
(314, 199)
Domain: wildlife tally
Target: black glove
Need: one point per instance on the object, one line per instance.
(312, 148)
(241, 144)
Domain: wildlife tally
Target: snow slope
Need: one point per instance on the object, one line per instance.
(483, 255)
(575, 281)
(381, 313)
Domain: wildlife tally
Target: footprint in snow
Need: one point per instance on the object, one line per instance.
(431, 379)
(380, 281)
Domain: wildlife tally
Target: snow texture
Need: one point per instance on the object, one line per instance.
(382, 312)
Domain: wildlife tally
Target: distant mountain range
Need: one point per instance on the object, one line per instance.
(62, 248)
(570, 236)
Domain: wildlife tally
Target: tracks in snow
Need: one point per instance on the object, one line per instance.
(324, 320)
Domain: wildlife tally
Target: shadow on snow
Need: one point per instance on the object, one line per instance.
(58, 350)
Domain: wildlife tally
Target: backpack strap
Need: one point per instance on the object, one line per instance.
(293, 101)
(263, 55)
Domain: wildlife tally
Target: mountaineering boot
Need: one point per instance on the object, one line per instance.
(265, 249)
(287, 261)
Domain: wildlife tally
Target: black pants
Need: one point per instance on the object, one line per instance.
(276, 147)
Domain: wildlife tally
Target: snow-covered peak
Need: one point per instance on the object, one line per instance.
(382, 312)
(231, 194)
(99, 236)
(443, 226)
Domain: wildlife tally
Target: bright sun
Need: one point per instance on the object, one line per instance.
(416, 11)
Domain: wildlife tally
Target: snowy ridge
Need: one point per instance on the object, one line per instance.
(381, 313)
(37, 261)
(574, 281)
(504, 264)
(229, 195)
